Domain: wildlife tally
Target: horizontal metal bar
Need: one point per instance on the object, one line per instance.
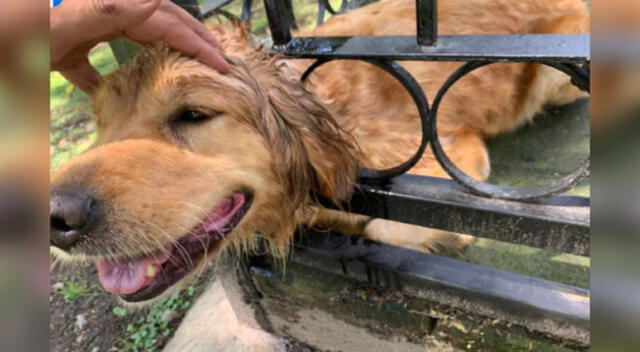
(518, 296)
(560, 223)
(558, 48)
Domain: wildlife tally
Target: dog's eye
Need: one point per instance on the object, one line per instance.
(192, 116)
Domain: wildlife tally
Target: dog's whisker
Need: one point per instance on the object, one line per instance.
(205, 246)
(196, 207)
(179, 247)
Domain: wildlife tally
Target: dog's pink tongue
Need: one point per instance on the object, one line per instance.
(127, 277)
(122, 278)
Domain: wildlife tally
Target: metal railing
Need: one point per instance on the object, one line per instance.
(538, 209)
(533, 216)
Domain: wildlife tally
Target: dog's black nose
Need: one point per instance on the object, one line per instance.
(73, 213)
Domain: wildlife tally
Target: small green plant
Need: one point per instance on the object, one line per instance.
(72, 290)
(119, 311)
(145, 334)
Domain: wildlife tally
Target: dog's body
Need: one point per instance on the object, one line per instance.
(187, 157)
(373, 107)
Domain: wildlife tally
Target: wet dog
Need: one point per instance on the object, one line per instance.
(189, 161)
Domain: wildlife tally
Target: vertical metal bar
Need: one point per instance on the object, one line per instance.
(279, 22)
(191, 6)
(246, 11)
(291, 15)
(322, 6)
(343, 6)
(427, 21)
(124, 49)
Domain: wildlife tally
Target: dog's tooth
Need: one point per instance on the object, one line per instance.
(151, 270)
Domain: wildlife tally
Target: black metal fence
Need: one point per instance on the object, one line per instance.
(535, 216)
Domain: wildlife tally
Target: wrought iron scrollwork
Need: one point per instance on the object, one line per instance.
(372, 176)
(563, 52)
(428, 119)
(579, 77)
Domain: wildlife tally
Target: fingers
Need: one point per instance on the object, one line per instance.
(93, 21)
(109, 17)
(198, 27)
(184, 39)
(200, 44)
(78, 25)
(83, 76)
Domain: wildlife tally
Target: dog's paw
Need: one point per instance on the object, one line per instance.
(415, 237)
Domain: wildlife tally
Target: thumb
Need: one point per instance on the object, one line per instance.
(83, 76)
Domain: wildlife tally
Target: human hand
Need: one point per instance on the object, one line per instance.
(78, 25)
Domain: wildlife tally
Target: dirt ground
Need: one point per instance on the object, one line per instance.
(102, 329)
(84, 319)
(88, 322)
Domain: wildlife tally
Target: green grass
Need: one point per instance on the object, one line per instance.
(61, 91)
(555, 144)
(148, 331)
(539, 153)
(305, 14)
(71, 128)
(560, 267)
(72, 290)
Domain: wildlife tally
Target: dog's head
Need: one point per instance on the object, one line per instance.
(189, 161)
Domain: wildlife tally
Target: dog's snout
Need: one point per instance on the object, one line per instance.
(73, 213)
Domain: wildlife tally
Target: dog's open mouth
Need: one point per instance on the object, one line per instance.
(147, 277)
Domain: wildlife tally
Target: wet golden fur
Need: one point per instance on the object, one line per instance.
(283, 141)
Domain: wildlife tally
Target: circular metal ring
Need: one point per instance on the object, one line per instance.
(417, 94)
(580, 78)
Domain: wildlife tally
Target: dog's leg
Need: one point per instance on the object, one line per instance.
(415, 237)
(468, 151)
(391, 232)
(346, 223)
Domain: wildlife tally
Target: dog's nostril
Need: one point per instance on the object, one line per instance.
(73, 214)
(59, 224)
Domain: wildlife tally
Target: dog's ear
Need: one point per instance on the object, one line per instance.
(314, 153)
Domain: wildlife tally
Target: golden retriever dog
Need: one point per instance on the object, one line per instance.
(189, 162)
